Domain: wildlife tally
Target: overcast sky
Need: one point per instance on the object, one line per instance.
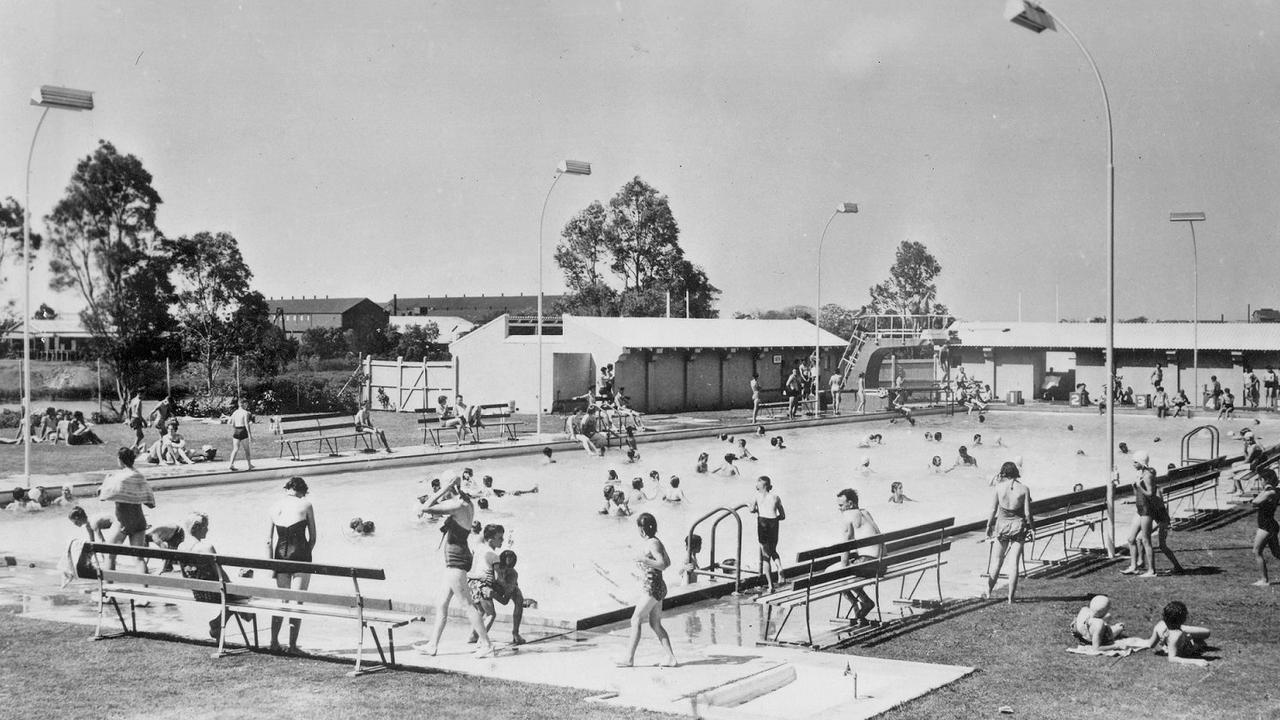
(374, 148)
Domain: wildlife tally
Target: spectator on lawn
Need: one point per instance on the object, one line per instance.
(1266, 536)
(79, 432)
(1091, 627)
(241, 434)
(1182, 643)
(133, 416)
(364, 425)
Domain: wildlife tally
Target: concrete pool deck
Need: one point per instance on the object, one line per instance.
(721, 673)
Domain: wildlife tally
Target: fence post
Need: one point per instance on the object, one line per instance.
(426, 386)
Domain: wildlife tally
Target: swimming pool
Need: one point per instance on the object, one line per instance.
(576, 562)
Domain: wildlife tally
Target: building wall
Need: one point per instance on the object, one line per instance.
(666, 382)
(493, 368)
(296, 324)
(1020, 369)
(738, 367)
(704, 381)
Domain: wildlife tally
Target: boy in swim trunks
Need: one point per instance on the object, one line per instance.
(769, 512)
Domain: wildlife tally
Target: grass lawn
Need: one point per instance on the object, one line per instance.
(50, 671)
(401, 428)
(1019, 649)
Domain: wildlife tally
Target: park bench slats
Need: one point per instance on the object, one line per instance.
(242, 600)
(908, 552)
(322, 429)
(495, 415)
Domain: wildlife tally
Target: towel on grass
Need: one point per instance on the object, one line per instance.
(1122, 648)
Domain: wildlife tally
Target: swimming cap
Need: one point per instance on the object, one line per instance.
(1141, 458)
(1071, 427)
(864, 461)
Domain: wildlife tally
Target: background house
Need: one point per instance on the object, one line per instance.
(297, 315)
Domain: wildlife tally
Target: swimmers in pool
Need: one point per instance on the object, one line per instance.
(701, 466)
(638, 494)
(963, 459)
(896, 495)
(728, 468)
(547, 453)
(872, 439)
(777, 443)
(864, 465)
(935, 465)
(632, 455)
(673, 493)
(759, 431)
(487, 488)
(743, 452)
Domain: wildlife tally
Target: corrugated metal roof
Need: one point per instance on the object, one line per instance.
(703, 332)
(1129, 336)
(319, 306)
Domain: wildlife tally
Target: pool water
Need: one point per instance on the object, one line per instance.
(576, 562)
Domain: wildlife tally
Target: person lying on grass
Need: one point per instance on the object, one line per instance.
(1181, 642)
(1091, 627)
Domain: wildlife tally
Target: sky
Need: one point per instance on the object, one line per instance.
(366, 149)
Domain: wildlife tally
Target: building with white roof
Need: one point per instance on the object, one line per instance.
(663, 364)
(1025, 356)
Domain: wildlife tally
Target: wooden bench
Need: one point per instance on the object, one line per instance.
(239, 600)
(432, 425)
(1069, 518)
(1189, 483)
(322, 429)
(771, 409)
(501, 413)
(908, 552)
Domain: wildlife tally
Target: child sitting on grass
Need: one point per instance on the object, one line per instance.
(1181, 642)
(1091, 627)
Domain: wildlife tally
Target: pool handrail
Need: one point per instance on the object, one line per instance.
(1214, 445)
(712, 569)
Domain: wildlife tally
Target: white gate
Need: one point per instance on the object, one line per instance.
(409, 386)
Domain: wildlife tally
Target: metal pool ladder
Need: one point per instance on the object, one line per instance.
(1187, 458)
(715, 569)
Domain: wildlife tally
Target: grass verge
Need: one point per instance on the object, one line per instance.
(157, 677)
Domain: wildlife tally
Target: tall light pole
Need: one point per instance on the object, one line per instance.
(1035, 18)
(49, 97)
(568, 167)
(1191, 218)
(817, 307)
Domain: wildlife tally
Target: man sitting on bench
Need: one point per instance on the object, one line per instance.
(365, 425)
(856, 521)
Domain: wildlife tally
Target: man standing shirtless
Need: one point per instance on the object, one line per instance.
(769, 512)
(855, 522)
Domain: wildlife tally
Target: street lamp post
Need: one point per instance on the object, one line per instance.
(1035, 18)
(568, 167)
(49, 97)
(817, 308)
(1191, 218)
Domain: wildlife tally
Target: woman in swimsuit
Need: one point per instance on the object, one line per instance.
(652, 562)
(459, 513)
(1010, 524)
(292, 536)
(1152, 514)
(1268, 529)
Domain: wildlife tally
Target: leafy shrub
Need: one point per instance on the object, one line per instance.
(101, 418)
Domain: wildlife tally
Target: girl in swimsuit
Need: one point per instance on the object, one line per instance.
(652, 562)
(292, 536)
(1010, 524)
(459, 512)
(1268, 529)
